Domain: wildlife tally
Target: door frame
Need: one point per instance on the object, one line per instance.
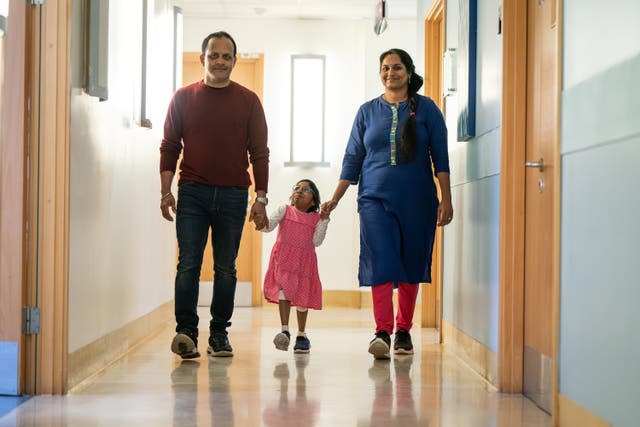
(434, 44)
(48, 86)
(39, 196)
(13, 187)
(512, 206)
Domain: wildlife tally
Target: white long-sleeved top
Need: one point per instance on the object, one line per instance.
(277, 215)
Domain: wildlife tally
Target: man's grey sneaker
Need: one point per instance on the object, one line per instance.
(185, 344)
(380, 345)
(302, 345)
(402, 343)
(282, 340)
(219, 345)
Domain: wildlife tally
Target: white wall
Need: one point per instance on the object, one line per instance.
(352, 51)
(470, 247)
(586, 51)
(122, 253)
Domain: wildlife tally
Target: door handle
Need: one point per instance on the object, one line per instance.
(538, 165)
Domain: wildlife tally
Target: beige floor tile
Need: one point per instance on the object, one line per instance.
(337, 384)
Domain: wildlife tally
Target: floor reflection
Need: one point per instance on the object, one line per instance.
(337, 384)
(405, 413)
(299, 410)
(393, 402)
(220, 402)
(184, 383)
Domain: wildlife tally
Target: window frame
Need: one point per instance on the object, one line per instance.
(321, 162)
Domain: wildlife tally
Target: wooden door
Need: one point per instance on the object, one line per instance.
(249, 73)
(541, 143)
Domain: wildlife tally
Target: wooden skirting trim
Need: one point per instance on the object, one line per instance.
(93, 357)
(572, 414)
(342, 299)
(345, 299)
(478, 356)
(354, 299)
(367, 302)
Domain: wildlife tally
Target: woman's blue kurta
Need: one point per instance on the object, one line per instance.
(397, 202)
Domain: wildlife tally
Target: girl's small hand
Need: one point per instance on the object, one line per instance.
(328, 206)
(324, 214)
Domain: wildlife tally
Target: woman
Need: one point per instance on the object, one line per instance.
(393, 142)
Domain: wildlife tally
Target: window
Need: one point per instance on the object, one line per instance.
(98, 49)
(307, 111)
(177, 47)
(144, 120)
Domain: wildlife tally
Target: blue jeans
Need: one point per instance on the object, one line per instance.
(200, 208)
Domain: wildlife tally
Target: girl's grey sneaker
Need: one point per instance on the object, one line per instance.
(185, 344)
(303, 345)
(282, 340)
(380, 345)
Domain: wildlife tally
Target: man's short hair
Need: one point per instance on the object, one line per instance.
(218, 35)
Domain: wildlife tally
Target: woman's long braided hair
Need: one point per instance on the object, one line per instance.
(408, 134)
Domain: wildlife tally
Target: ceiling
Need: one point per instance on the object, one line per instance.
(295, 9)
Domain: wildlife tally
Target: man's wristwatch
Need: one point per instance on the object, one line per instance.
(262, 200)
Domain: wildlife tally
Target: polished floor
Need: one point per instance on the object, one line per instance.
(337, 384)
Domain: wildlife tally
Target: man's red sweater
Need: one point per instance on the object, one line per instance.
(217, 127)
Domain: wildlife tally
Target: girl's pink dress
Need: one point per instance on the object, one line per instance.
(293, 266)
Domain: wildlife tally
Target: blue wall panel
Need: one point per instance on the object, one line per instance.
(600, 245)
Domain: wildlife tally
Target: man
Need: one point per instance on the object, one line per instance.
(217, 122)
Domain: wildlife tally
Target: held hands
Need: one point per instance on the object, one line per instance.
(167, 201)
(258, 215)
(326, 208)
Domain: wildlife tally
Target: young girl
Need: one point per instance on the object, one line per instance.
(292, 277)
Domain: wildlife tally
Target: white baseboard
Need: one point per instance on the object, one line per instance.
(243, 294)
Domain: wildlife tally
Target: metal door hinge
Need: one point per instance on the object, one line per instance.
(30, 320)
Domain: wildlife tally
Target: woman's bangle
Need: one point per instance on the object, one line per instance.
(164, 196)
